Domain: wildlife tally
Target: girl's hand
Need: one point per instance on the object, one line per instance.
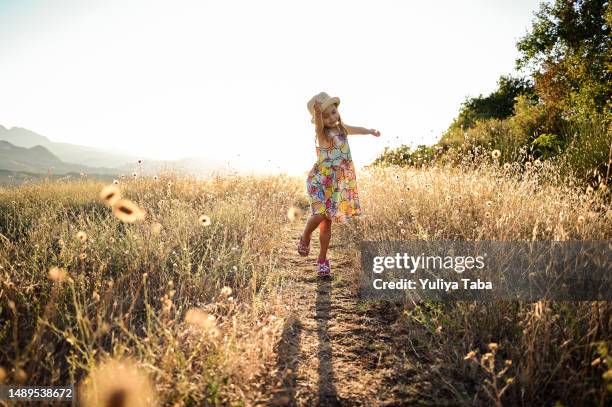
(317, 106)
(375, 133)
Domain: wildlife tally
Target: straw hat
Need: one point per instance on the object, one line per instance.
(326, 101)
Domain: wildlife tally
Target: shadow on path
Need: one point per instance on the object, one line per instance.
(288, 355)
(328, 395)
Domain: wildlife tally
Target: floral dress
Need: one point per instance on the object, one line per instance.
(332, 183)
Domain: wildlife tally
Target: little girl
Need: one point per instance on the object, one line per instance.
(331, 183)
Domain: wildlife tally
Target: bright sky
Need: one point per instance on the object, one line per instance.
(230, 79)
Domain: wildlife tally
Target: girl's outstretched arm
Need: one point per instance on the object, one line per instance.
(361, 130)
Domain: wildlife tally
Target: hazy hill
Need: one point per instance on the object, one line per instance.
(66, 152)
(38, 159)
(94, 157)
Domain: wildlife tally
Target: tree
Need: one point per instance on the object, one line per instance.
(498, 105)
(568, 53)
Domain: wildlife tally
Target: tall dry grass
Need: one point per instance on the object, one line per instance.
(544, 352)
(192, 307)
(185, 296)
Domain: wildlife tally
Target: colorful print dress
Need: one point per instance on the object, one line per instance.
(332, 183)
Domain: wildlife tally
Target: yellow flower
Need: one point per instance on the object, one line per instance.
(82, 236)
(117, 383)
(110, 194)
(470, 355)
(57, 274)
(127, 211)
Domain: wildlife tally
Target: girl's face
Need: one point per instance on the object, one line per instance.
(331, 116)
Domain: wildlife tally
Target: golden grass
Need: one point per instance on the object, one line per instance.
(195, 308)
(129, 290)
(549, 345)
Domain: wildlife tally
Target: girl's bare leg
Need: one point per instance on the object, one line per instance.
(324, 237)
(311, 225)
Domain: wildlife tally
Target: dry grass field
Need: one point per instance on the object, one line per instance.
(190, 293)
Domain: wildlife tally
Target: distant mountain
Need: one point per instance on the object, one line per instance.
(71, 153)
(104, 161)
(38, 159)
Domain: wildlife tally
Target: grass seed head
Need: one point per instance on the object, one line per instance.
(204, 220)
(293, 213)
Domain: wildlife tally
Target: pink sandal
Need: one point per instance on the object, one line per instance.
(323, 269)
(302, 248)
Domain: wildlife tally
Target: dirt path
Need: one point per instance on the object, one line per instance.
(335, 350)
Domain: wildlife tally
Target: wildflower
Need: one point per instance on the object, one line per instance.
(580, 219)
(400, 223)
(139, 161)
(507, 166)
(486, 357)
(134, 175)
(82, 256)
(495, 154)
(470, 355)
(127, 211)
(115, 181)
(589, 190)
(82, 236)
(57, 274)
(493, 346)
(527, 165)
(204, 220)
(110, 194)
(117, 383)
(488, 203)
(510, 380)
(293, 213)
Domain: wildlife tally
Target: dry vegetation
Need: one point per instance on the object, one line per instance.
(187, 292)
(549, 351)
(183, 304)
